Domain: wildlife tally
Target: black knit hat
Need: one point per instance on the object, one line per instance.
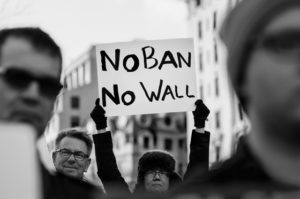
(239, 30)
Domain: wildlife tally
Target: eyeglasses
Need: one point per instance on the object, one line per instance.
(66, 153)
(284, 43)
(155, 172)
(20, 79)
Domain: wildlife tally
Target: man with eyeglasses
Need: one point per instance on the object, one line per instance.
(263, 42)
(73, 149)
(30, 68)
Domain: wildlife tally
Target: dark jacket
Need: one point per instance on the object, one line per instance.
(113, 181)
(59, 186)
(237, 176)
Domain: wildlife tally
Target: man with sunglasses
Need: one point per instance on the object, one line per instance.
(30, 68)
(263, 42)
(73, 149)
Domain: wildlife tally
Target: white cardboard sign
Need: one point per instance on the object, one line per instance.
(144, 77)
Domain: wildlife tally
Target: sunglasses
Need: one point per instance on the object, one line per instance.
(20, 79)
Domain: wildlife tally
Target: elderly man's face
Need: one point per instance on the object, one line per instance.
(71, 157)
(272, 84)
(156, 181)
(21, 99)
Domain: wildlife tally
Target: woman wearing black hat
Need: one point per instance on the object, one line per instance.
(156, 169)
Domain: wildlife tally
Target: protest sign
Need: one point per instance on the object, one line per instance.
(144, 77)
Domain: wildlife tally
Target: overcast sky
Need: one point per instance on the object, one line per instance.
(77, 24)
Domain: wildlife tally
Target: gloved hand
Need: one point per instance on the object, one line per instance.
(200, 114)
(98, 116)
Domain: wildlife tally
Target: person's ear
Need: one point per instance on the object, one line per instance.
(53, 156)
(87, 164)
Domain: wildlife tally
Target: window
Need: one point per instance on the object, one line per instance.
(201, 62)
(218, 152)
(217, 90)
(168, 120)
(127, 138)
(218, 120)
(200, 30)
(216, 51)
(215, 20)
(146, 142)
(143, 119)
(87, 72)
(135, 140)
(74, 121)
(75, 102)
(168, 144)
(181, 144)
(198, 2)
(180, 125)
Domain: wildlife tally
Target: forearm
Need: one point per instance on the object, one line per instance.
(108, 170)
(199, 153)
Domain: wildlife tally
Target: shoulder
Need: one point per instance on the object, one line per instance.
(61, 186)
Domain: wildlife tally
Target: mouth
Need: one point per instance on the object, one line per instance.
(70, 170)
(70, 167)
(156, 184)
(29, 117)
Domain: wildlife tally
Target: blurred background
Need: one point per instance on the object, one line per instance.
(79, 25)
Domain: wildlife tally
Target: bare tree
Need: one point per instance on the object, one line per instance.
(13, 8)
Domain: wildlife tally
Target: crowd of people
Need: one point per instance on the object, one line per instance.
(263, 43)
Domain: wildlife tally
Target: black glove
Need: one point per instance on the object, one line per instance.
(200, 114)
(98, 116)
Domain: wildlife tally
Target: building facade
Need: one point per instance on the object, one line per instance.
(227, 120)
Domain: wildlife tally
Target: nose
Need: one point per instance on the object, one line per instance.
(31, 94)
(71, 158)
(156, 176)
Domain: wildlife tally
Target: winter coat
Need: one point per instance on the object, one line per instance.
(60, 186)
(112, 179)
(237, 176)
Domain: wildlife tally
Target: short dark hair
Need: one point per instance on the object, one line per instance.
(39, 39)
(75, 133)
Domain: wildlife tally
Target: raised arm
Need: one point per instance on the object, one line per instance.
(107, 167)
(199, 147)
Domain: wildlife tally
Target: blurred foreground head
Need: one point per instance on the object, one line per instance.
(30, 67)
(263, 42)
